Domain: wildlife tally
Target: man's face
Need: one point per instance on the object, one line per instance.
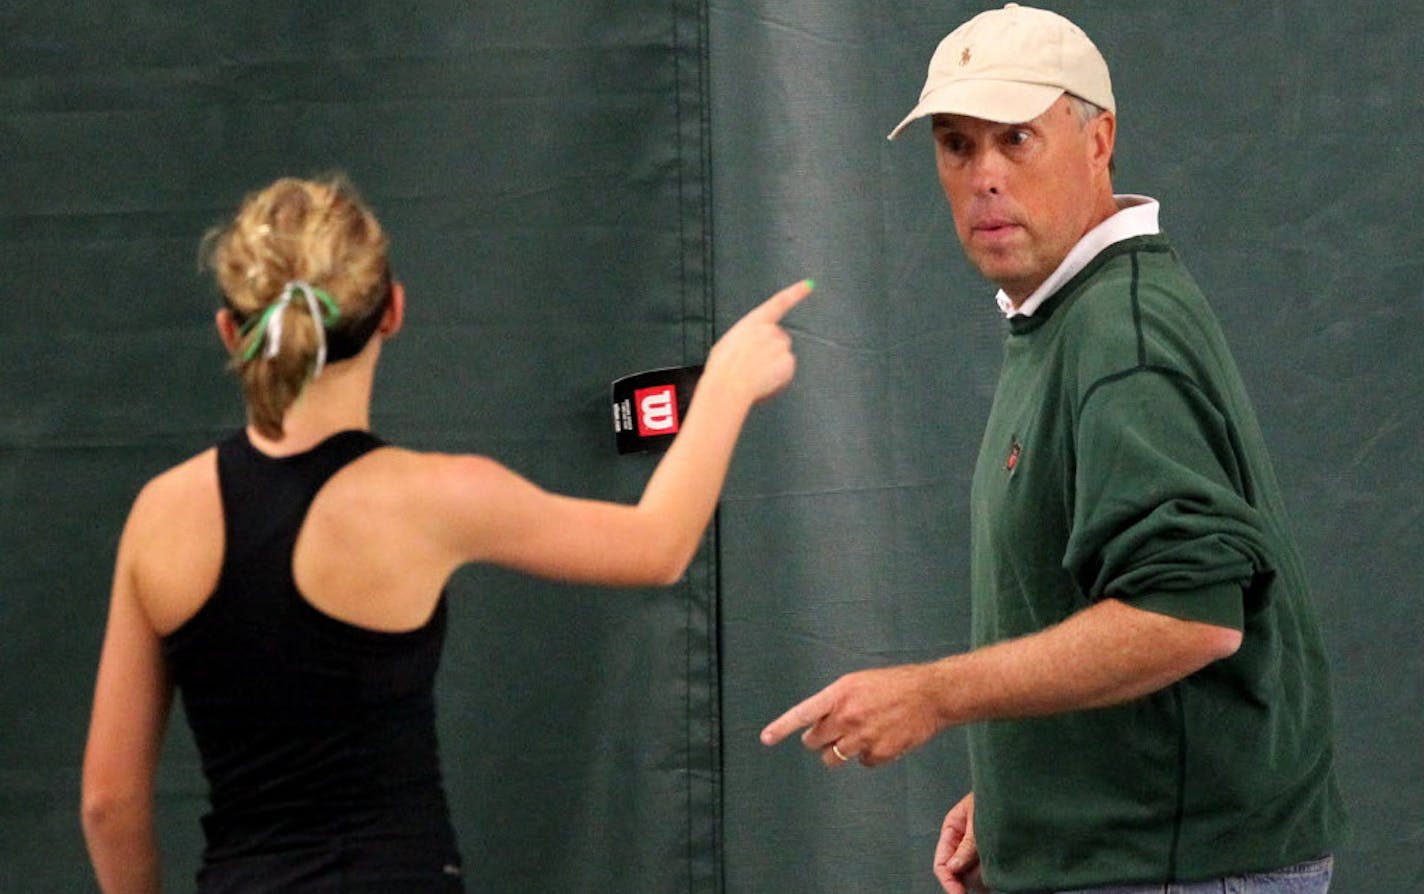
(1023, 194)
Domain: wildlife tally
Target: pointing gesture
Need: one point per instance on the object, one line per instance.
(874, 716)
(774, 308)
(755, 353)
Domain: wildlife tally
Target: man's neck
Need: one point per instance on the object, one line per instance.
(1104, 206)
(1140, 218)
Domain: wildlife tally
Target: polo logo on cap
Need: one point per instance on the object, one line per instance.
(964, 57)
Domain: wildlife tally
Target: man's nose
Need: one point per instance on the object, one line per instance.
(986, 173)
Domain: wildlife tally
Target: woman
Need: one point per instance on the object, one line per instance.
(289, 581)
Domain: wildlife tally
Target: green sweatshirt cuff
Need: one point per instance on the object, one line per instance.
(1219, 604)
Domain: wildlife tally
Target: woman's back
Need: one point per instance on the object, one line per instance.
(317, 736)
(366, 553)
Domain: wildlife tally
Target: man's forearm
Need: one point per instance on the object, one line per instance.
(1107, 654)
(1104, 655)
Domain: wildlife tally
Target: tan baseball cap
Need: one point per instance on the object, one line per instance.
(1009, 65)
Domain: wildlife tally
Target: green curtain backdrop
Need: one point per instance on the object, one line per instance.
(581, 190)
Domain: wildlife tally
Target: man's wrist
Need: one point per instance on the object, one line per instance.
(944, 689)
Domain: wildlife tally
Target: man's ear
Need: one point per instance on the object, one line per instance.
(227, 329)
(394, 317)
(1102, 139)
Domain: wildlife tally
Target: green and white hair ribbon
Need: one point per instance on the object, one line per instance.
(268, 325)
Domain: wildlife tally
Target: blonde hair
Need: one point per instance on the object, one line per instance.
(317, 232)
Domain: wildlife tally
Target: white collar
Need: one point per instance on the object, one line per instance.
(1136, 216)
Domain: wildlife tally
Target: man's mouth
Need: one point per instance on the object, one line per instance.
(994, 227)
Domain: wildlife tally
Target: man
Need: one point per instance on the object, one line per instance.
(1148, 689)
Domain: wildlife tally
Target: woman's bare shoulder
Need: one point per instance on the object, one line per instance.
(173, 543)
(179, 489)
(436, 495)
(430, 476)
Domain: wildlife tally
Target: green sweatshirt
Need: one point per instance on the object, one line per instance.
(1123, 459)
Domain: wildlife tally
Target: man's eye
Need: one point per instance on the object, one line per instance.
(1017, 137)
(955, 145)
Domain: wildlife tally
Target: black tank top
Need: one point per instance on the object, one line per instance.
(317, 737)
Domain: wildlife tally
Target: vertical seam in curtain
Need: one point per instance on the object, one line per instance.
(702, 664)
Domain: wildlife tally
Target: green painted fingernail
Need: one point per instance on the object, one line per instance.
(810, 284)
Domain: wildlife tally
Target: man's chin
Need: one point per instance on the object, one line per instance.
(1002, 271)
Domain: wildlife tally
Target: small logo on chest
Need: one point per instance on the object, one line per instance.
(1011, 462)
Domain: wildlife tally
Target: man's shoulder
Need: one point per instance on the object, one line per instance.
(1136, 282)
(1099, 305)
(1136, 298)
(1127, 262)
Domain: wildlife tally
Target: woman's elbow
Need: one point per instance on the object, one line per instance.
(668, 572)
(97, 810)
(661, 562)
(102, 811)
